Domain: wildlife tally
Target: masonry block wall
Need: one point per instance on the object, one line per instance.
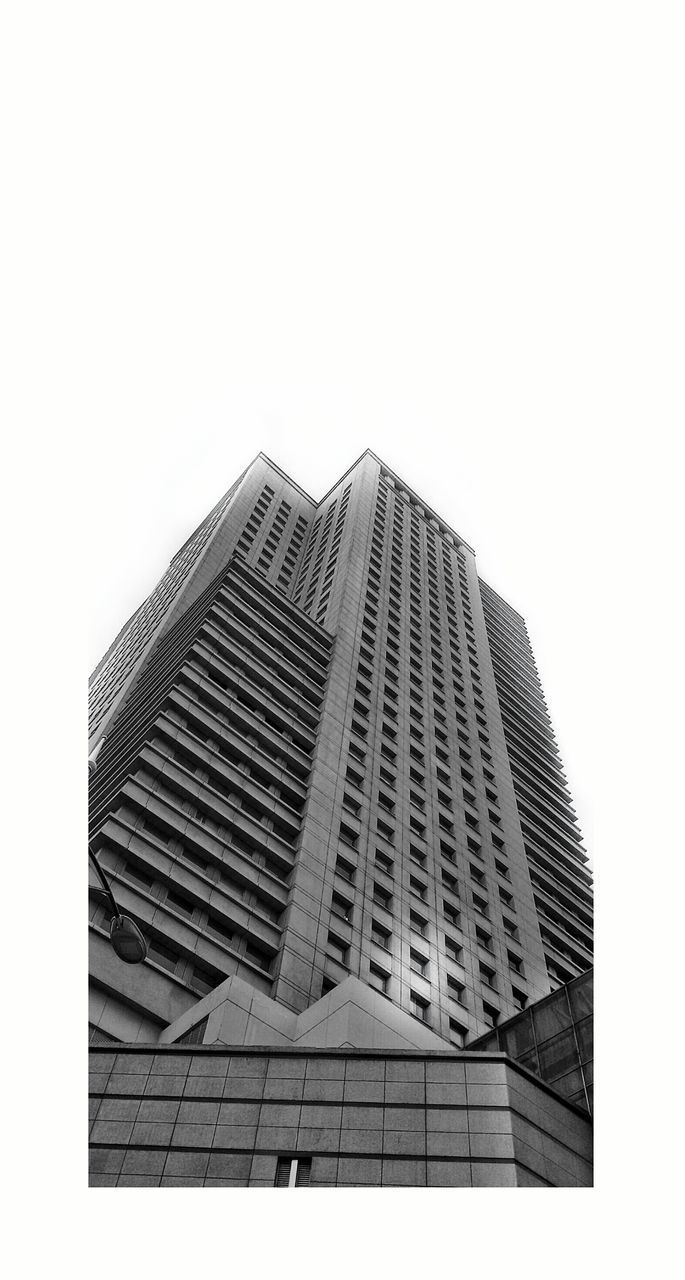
(224, 1118)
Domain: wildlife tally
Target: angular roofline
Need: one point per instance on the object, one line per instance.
(432, 513)
(265, 458)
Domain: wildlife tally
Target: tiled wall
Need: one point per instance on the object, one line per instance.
(217, 1118)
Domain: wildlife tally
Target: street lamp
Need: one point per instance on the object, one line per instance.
(124, 934)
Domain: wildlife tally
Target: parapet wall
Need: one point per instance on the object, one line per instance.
(218, 1117)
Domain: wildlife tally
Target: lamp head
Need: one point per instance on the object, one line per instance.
(127, 940)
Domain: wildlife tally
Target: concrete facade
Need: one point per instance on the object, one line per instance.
(220, 1118)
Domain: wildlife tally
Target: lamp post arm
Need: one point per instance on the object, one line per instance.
(104, 882)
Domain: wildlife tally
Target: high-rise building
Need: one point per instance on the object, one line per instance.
(328, 792)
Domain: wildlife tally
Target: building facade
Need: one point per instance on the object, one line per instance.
(327, 789)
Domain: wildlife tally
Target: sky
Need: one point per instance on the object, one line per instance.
(450, 232)
(353, 227)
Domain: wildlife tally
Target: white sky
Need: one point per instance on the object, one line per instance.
(368, 225)
(451, 232)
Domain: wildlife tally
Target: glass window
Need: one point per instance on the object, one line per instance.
(517, 1039)
(572, 1083)
(558, 1056)
(379, 935)
(551, 1017)
(530, 1060)
(584, 1034)
(378, 979)
(580, 995)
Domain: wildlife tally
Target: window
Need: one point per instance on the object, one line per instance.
(455, 989)
(161, 954)
(385, 831)
(515, 962)
(450, 913)
(484, 939)
(418, 963)
(203, 981)
(355, 778)
(481, 905)
(341, 908)
(520, 998)
(384, 863)
(190, 856)
(140, 877)
(348, 836)
(490, 1014)
(153, 828)
(417, 923)
(350, 803)
(452, 949)
(417, 887)
(450, 882)
(417, 855)
(487, 975)
(510, 928)
(195, 1035)
(378, 979)
(458, 1033)
(345, 869)
(419, 1006)
(381, 936)
(336, 949)
(293, 1171)
(219, 930)
(381, 897)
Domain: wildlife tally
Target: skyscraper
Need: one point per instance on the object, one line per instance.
(328, 792)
